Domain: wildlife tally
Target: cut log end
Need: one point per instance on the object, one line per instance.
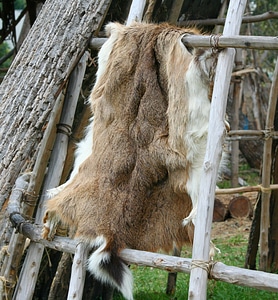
(240, 207)
(220, 211)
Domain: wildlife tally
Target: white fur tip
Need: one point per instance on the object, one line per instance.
(94, 263)
(53, 192)
(191, 217)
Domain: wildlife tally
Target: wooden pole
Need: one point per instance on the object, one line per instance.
(266, 173)
(244, 189)
(221, 21)
(219, 271)
(175, 11)
(28, 276)
(232, 41)
(11, 262)
(221, 14)
(78, 273)
(216, 131)
(235, 119)
(136, 11)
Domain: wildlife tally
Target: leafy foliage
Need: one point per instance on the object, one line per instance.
(266, 59)
(19, 4)
(4, 49)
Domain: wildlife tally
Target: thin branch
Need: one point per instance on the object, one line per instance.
(22, 14)
(245, 189)
(221, 21)
(7, 56)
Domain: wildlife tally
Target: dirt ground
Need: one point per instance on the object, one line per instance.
(232, 226)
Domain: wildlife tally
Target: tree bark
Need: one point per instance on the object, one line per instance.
(28, 92)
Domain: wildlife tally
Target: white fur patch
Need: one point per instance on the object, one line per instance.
(50, 226)
(197, 127)
(99, 256)
(196, 134)
(84, 147)
(105, 50)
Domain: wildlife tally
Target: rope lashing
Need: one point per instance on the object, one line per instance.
(264, 189)
(214, 41)
(64, 128)
(268, 133)
(205, 265)
(26, 197)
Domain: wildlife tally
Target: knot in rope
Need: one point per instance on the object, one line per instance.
(205, 265)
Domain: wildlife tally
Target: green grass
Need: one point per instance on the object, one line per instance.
(249, 175)
(150, 283)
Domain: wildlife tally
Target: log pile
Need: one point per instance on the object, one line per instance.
(239, 207)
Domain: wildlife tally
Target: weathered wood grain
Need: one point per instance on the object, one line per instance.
(216, 133)
(29, 90)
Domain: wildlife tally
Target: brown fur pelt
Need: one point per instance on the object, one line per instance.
(131, 192)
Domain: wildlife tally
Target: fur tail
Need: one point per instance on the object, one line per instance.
(109, 268)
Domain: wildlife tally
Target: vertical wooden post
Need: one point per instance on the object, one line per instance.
(235, 120)
(175, 11)
(136, 11)
(78, 273)
(266, 172)
(221, 14)
(28, 276)
(201, 245)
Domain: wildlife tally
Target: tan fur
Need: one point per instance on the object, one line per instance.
(132, 189)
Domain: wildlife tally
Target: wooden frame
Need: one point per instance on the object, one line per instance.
(199, 275)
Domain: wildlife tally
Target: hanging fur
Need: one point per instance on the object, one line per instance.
(141, 176)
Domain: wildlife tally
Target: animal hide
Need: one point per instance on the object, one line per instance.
(134, 189)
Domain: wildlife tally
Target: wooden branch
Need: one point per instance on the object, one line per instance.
(245, 71)
(219, 271)
(78, 273)
(221, 21)
(234, 135)
(231, 41)
(237, 95)
(266, 173)
(245, 189)
(7, 33)
(175, 11)
(222, 12)
(27, 281)
(136, 11)
(216, 132)
(14, 248)
(18, 192)
(7, 56)
(243, 277)
(262, 133)
(12, 259)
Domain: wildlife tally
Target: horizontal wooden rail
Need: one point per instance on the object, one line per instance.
(221, 21)
(245, 189)
(217, 270)
(234, 135)
(218, 41)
